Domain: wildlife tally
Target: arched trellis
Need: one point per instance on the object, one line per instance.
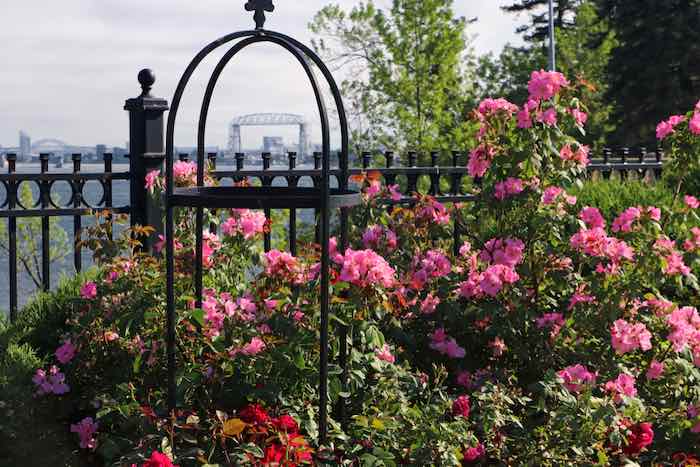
(322, 197)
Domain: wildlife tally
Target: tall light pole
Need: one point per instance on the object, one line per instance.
(552, 51)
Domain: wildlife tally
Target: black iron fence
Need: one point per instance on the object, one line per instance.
(448, 183)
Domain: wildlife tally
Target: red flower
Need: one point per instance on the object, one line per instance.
(461, 407)
(641, 436)
(475, 453)
(286, 423)
(254, 414)
(274, 454)
(159, 460)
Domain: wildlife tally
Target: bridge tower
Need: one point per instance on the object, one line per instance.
(268, 119)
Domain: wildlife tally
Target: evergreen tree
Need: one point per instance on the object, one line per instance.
(583, 52)
(654, 71)
(406, 69)
(538, 28)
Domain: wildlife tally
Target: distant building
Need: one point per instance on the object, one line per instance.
(25, 145)
(273, 144)
(100, 151)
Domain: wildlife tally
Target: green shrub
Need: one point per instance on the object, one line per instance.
(614, 196)
(43, 320)
(17, 365)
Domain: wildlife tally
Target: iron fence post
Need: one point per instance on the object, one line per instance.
(146, 153)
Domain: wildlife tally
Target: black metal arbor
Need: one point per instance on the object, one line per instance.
(322, 198)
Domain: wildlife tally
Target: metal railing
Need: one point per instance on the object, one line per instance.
(46, 207)
(443, 182)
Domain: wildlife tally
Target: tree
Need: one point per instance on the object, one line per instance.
(654, 71)
(406, 72)
(583, 51)
(538, 29)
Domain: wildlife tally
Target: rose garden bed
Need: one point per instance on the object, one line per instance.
(556, 336)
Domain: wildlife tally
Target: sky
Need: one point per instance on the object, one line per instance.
(67, 67)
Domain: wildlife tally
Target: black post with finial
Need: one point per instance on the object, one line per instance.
(146, 153)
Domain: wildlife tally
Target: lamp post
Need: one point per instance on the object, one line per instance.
(552, 51)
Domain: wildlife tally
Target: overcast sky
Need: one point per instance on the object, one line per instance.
(67, 66)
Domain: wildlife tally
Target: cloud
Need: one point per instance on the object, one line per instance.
(70, 65)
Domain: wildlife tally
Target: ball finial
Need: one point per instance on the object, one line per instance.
(146, 79)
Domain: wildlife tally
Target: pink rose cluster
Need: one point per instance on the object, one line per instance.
(578, 157)
(490, 107)
(625, 221)
(627, 337)
(252, 348)
(685, 331)
(218, 308)
(86, 429)
(445, 344)
(365, 268)
(594, 241)
(185, 173)
(88, 291)
(378, 237)
(65, 352)
(480, 160)
(500, 256)
(53, 382)
(668, 127)
(554, 193)
(544, 85)
(432, 265)
(284, 266)
(694, 123)
(433, 212)
(153, 180)
(693, 244)
(673, 263)
(553, 321)
(621, 387)
(384, 354)
(524, 116)
(210, 245)
(244, 222)
(576, 378)
(509, 187)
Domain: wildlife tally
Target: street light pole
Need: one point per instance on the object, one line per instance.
(552, 52)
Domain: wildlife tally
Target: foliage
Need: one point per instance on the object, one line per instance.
(407, 69)
(554, 336)
(29, 239)
(613, 196)
(583, 46)
(653, 72)
(538, 28)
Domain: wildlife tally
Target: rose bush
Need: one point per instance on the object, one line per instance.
(551, 336)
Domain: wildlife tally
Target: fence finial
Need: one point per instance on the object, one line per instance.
(146, 78)
(260, 7)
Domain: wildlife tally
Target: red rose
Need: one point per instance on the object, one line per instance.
(274, 454)
(286, 423)
(461, 407)
(475, 453)
(159, 460)
(641, 436)
(254, 414)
